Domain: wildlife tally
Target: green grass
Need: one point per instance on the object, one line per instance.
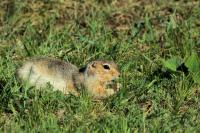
(137, 35)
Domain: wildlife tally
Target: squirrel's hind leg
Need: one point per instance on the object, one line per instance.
(70, 88)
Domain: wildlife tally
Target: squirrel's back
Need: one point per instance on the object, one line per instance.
(40, 71)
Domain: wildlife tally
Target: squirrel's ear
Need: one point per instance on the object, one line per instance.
(90, 68)
(93, 64)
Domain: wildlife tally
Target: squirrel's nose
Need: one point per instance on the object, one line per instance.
(119, 75)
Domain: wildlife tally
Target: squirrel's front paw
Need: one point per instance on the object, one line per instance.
(110, 92)
(118, 86)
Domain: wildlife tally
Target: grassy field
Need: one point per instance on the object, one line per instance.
(156, 44)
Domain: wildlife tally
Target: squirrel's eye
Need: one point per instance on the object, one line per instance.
(106, 67)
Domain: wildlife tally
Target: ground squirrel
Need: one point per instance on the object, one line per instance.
(97, 77)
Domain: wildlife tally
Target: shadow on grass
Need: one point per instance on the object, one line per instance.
(167, 73)
(2, 84)
(3, 96)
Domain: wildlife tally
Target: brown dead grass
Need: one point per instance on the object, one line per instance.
(122, 14)
(117, 15)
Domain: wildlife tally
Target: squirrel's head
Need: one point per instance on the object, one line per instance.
(103, 70)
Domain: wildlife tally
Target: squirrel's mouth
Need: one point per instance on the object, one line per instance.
(113, 84)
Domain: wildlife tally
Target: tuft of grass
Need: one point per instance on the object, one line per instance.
(152, 42)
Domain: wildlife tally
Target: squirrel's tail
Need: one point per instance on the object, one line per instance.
(24, 72)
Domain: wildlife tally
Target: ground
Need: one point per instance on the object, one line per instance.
(155, 43)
